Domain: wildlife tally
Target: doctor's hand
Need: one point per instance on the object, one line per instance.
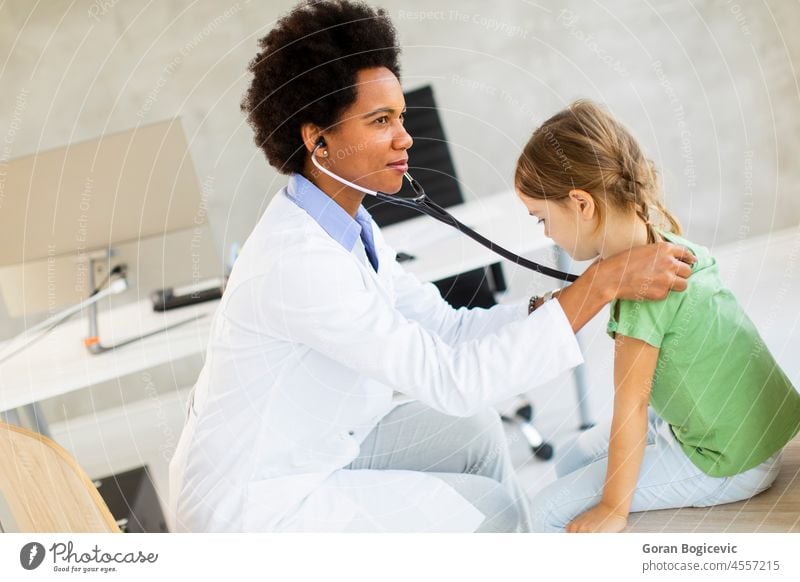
(599, 519)
(646, 272)
(649, 272)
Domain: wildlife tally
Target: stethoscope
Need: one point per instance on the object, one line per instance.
(421, 203)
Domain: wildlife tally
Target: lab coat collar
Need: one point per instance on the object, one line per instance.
(339, 225)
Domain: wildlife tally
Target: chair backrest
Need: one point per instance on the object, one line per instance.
(45, 490)
(429, 161)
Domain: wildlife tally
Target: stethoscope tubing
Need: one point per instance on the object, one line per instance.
(430, 208)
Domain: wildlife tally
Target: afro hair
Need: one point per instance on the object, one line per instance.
(306, 72)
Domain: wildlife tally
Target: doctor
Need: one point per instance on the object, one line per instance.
(292, 425)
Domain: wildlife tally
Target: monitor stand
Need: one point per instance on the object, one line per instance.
(92, 342)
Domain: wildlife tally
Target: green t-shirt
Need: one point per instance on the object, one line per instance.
(728, 402)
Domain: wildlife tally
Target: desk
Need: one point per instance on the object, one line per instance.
(59, 363)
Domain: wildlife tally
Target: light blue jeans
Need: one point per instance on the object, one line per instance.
(668, 479)
(468, 453)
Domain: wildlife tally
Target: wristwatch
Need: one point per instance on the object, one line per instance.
(545, 298)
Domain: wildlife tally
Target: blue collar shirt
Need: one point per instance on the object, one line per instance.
(333, 219)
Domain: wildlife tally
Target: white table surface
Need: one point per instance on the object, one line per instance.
(59, 363)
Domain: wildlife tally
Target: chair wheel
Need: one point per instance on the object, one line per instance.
(544, 451)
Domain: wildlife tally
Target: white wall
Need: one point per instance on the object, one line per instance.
(727, 78)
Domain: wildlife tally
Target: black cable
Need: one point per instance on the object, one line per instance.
(121, 270)
(154, 332)
(427, 206)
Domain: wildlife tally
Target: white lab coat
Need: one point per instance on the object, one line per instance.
(307, 347)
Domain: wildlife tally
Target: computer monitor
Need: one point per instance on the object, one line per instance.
(429, 161)
(135, 193)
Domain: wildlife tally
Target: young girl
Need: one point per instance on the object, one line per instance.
(701, 409)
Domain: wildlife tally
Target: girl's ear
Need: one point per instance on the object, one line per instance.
(584, 203)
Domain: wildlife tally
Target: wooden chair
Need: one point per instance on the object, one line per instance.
(776, 510)
(44, 489)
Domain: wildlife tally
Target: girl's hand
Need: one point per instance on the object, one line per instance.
(599, 519)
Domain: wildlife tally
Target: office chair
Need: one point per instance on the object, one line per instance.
(45, 490)
(430, 163)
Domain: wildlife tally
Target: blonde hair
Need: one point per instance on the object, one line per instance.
(583, 147)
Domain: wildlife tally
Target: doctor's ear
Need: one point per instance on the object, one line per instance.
(312, 137)
(584, 203)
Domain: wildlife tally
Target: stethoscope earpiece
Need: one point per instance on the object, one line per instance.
(320, 143)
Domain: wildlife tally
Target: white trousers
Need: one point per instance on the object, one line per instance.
(667, 479)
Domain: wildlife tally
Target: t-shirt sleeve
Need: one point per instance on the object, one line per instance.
(648, 321)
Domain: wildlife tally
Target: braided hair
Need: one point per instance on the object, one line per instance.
(583, 147)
